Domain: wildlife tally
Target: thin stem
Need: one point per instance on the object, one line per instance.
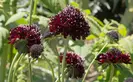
(64, 60)
(53, 76)
(31, 9)
(57, 80)
(16, 65)
(3, 61)
(54, 48)
(59, 68)
(56, 52)
(93, 62)
(11, 68)
(30, 75)
(34, 9)
(111, 73)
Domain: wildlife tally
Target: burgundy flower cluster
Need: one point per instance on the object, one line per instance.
(29, 33)
(74, 65)
(70, 22)
(113, 56)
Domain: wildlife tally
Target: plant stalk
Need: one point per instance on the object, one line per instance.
(53, 76)
(64, 60)
(30, 73)
(3, 62)
(11, 67)
(31, 10)
(16, 65)
(93, 62)
(111, 73)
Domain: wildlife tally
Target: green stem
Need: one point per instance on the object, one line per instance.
(59, 68)
(93, 62)
(16, 65)
(56, 52)
(53, 76)
(31, 9)
(30, 75)
(64, 60)
(57, 80)
(11, 53)
(35, 5)
(3, 61)
(54, 48)
(111, 73)
(11, 68)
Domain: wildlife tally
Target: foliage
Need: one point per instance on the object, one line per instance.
(46, 67)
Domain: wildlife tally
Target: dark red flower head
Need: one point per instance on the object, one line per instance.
(113, 56)
(70, 22)
(74, 65)
(26, 32)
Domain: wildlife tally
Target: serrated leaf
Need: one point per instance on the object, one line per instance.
(122, 30)
(15, 17)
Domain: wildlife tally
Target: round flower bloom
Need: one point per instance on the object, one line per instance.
(113, 35)
(71, 58)
(113, 56)
(70, 22)
(74, 65)
(25, 32)
(36, 50)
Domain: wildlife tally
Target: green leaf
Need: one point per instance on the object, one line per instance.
(53, 5)
(43, 21)
(126, 44)
(87, 11)
(74, 4)
(98, 21)
(95, 27)
(122, 30)
(91, 37)
(124, 72)
(21, 46)
(3, 35)
(21, 21)
(15, 17)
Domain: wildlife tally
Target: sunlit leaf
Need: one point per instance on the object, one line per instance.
(98, 21)
(87, 11)
(91, 37)
(122, 30)
(74, 4)
(15, 17)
